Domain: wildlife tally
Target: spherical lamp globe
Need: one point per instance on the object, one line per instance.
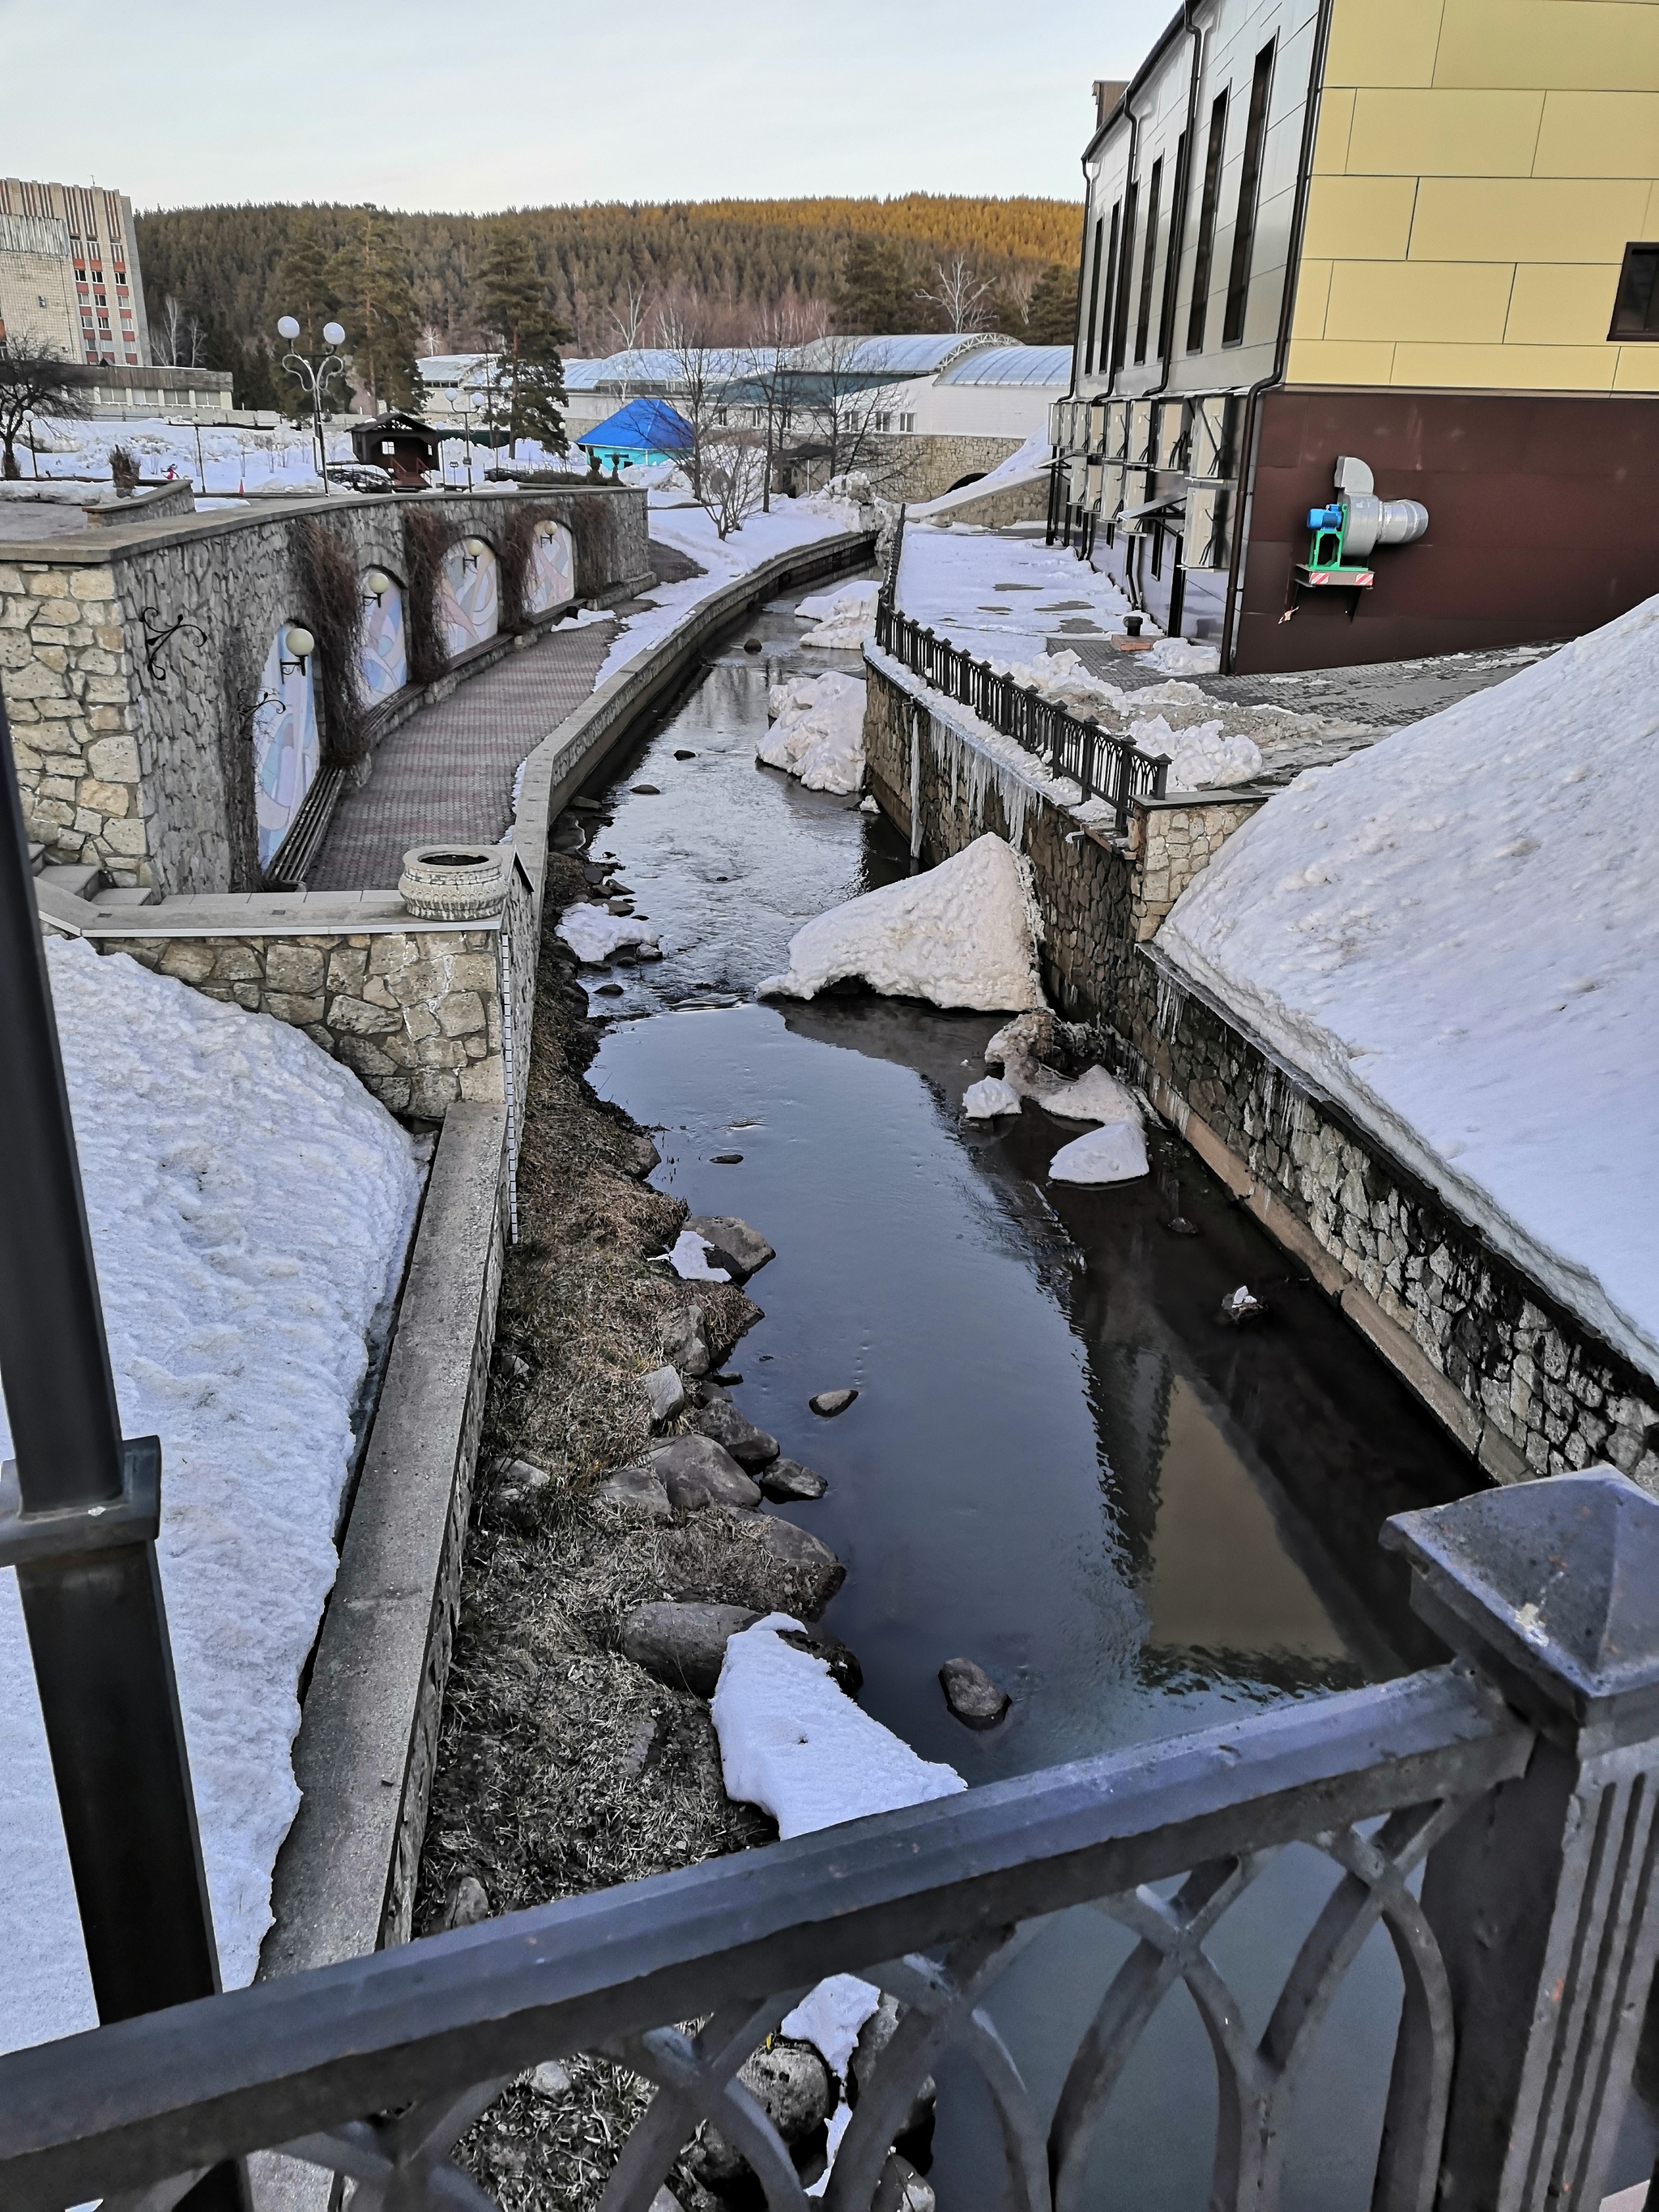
(287, 328)
(334, 334)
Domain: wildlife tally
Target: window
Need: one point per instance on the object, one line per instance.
(1636, 303)
(1110, 294)
(1205, 248)
(1250, 185)
(906, 422)
(1094, 293)
(1148, 263)
(1124, 279)
(1172, 252)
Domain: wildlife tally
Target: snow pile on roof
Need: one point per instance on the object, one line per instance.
(249, 1204)
(1200, 756)
(1453, 935)
(965, 934)
(1180, 656)
(593, 933)
(844, 618)
(817, 733)
(794, 1743)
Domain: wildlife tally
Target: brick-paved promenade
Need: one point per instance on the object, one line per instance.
(449, 770)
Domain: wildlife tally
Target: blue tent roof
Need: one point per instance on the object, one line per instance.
(651, 426)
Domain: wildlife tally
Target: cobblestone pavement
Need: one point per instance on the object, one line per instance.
(448, 771)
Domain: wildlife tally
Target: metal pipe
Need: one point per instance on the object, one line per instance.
(79, 1510)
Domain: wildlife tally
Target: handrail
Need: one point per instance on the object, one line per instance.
(1101, 765)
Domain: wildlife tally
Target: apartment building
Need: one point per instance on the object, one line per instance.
(69, 272)
(1420, 240)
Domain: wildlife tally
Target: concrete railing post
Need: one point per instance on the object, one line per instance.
(1543, 1899)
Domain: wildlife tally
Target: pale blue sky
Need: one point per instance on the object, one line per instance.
(482, 104)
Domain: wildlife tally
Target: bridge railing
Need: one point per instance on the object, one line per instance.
(1102, 764)
(1519, 1780)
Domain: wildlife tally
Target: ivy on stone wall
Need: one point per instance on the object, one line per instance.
(427, 537)
(595, 542)
(332, 602)
(515, 541)
(240, 663)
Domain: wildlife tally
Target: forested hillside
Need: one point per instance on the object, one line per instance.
(724, 266)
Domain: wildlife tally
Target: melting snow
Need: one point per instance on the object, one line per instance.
(844, 617)
(1116, 1153)
(249, 1204)
(818, 732)
(593, 933)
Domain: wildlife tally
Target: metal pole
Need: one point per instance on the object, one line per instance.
(79, 1511)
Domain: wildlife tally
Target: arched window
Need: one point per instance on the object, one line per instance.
(469, 597)
(383, 662)
(550, 578)
(287, 751)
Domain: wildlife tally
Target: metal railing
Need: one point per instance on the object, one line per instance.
(1101, 764)
(1519, 1781)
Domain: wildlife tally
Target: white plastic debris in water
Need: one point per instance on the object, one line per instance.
(1095, 1097)
(1453, 935)
(689, 1257)
(1180, 656)
(846, 616)
(250, 1206)
(1115, 1152)
(593, 933)
(988, 1100)
(963, 935)
(794, 1743)
(817, 730)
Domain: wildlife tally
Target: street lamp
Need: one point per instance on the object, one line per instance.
(315, 377)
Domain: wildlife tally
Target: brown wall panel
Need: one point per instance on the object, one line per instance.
(1543, 521)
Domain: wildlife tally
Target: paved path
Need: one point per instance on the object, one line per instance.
(448, 771)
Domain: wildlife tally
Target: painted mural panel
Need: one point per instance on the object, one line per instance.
(287, 748)
(384, 660)
(469, 598)
(551, 578)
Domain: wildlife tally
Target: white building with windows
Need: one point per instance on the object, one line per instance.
(69, 272)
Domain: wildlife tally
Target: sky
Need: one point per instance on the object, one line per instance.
(434, 104)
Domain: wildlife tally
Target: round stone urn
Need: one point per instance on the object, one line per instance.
(454, 881)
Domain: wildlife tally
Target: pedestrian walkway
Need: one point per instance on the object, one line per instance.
(448, 771)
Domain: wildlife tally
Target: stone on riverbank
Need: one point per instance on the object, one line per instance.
(697, 1473)
(684, 1645)
(685, 1341)
(786, 1482)
(594, 934)
(667, 1394)
(828, 1403)
(751, 1447)
(733, 1245)
(792, 2086)
(1095, 1097)
(637, 1490)
(972, 1695)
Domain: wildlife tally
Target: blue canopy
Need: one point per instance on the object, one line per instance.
(646, 426)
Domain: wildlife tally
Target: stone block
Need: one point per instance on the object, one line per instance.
(36, 680)
(356, 1017)
(91, 584)
(293, 1007)
(234, 961)
(481, 1083)
(460, 1013)
(114, 760)
(189, 960)
(295, 967)
(105, 798)
(347, 969)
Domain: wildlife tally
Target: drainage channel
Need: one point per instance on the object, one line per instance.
(1061, 1464)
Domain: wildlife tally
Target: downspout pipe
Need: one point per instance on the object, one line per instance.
(1282, 345)
(1178, 212)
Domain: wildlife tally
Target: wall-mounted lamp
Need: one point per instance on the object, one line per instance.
(376, 585)
(476, 549)
(297, 647)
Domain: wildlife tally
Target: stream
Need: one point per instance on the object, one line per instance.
(1061, 1464)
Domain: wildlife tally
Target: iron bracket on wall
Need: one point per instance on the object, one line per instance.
(155, 637)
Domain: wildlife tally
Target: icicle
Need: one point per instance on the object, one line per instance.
(1172, 1003)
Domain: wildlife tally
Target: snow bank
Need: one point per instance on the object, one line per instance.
(995, 594)
(844, 617)
(965, 934)
(1200, 756)
(593, 933)
(1095, 1097)
(249, 1204)
(794, 1743)
(819, 731)
(1116, 1153)
(1455, 935)
(1180, 656)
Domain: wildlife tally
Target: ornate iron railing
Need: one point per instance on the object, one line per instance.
(1519, 1780)
(1102, 764)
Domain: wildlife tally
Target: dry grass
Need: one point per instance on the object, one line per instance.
(564, 1767)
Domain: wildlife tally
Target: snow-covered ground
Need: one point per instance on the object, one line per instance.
(1455, 935)
(250, 1206)
(1002, 598)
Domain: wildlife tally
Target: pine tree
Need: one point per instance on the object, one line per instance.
(369, 278)
(1051, 318)
(523, 326)
(877, 293)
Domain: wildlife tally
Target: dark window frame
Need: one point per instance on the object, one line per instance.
(1638, 307)
(1249, 194)
(1094, 299)
(1124, 279)
(1204, 253)
(1148, 263)
(1104, 339)
(1172, 252)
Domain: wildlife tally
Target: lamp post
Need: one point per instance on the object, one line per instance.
(315, 377)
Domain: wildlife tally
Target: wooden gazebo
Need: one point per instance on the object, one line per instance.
(401, 444)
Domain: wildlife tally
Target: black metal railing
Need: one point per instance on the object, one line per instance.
(1518, 1781)
(1101, 764)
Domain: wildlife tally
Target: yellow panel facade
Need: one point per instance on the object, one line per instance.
(1481, 167)
(1444, 134)
(1383, 41)
(1368, 218)
(1466, 302)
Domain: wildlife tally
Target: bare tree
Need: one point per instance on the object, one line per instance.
(176, 339)
(772, 371)
(35, 380)
(628, 325)
(962, 297)
(702, 376)
(733, 475)
(847, 386)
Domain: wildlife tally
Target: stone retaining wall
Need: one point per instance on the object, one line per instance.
(137, 756)
(1525, 1386)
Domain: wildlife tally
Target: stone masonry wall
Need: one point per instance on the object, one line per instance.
(147, 770)
(1525, 1385)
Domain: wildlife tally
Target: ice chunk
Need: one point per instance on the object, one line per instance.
(817, 733)
(846, 616)
(593, 933)
(963, 935)
(1095, 1097)
(794, 1743)
(1116, 1153)
(988, 1100)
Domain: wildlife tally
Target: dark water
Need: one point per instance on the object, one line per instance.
(1061, 1464)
